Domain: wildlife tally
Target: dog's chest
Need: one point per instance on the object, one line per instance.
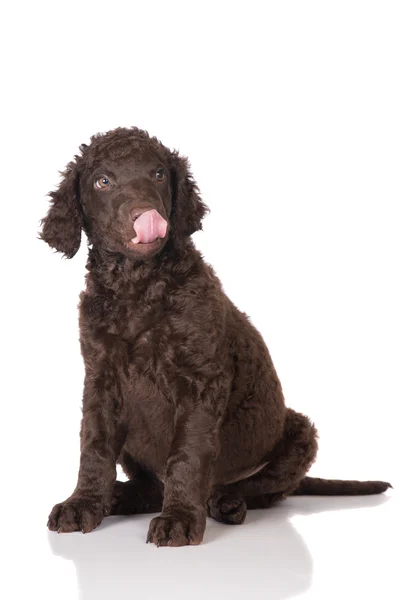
(148, 394)
(150, 423)
(140, 344)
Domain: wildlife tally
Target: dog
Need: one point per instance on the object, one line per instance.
(180, 388)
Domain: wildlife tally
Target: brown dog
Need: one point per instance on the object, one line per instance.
(180, 388)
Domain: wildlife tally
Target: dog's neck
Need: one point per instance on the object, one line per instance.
(119, 273)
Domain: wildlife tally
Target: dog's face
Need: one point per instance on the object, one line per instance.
(128, 192)
(127, 201)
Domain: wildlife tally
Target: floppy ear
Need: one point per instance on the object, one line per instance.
(188, 209)
(62, 226)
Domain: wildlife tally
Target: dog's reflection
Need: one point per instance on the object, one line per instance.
(263, 558)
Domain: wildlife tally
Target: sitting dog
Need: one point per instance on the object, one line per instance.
(179, 388)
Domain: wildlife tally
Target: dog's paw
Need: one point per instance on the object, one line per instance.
(227, 508)
(76, 514)
(176, 530)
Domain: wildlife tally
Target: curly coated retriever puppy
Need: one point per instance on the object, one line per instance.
(180, 388)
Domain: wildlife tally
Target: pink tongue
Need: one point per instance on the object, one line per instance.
(149, 226)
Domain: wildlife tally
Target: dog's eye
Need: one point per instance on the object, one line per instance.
(160, 175)
(102, 183)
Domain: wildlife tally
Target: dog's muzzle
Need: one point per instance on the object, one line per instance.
(149, 226)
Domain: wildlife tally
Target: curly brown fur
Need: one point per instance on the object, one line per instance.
(180, 388)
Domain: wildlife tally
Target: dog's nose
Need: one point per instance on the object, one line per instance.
(135, 212)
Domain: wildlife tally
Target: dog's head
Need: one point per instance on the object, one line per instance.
(128, 192)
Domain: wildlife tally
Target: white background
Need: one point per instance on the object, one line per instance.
(289, 112)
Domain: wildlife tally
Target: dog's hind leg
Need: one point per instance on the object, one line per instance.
(287, 465)
(288, 462)
(142, 494)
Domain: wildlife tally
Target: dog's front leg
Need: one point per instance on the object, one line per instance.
(101, 441)
(187, 481)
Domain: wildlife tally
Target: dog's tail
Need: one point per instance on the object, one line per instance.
(313, 486)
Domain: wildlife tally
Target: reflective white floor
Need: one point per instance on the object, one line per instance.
(307, 547)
